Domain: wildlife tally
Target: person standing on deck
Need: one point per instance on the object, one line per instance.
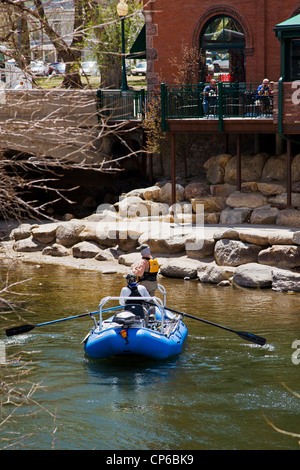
(147, 270)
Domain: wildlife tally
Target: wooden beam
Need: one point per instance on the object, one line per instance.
(173, 167)
(231, 126)
(289, 173)
(238, 162)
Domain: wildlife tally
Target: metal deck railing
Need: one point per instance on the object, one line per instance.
(230, 100)
(121, 105)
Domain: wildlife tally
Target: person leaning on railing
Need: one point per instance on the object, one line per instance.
(263, 96)
(209, 96)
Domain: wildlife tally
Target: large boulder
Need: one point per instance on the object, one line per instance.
(128, 239)
(199, 248)
(85, 250)
(289, 218)
(215, 168)
(194, 190)
(274, 169)
(209, 203)
(21, 232)
(151, 193)
(222, 190)
(132, 206)
(27, 245)
(235, 252)
(213, 273)
(296, 168)
(281, 237)
(103, 233)
(251, 168)
(282, 256)
(253, 275)
(165, 194)
(296, 237)
(265, 215)
(129, 259)
(228, 233)
(44, 233)
(105, 255)
(105, 212)
(270, 189)
(281, 199)
(165, 243)
(67, 234)
(56, 250)
(285, 281)
(212, 218)
(251, 200)
(254, 236)
(238, 215)
(180, 268)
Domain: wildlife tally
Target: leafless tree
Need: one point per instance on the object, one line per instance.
(73, 126)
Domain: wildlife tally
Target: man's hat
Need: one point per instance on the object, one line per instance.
(144, 249)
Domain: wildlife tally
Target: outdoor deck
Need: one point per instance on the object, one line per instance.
(234, 109)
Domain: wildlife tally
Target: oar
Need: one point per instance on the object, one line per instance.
(243, 334)
(18, 330)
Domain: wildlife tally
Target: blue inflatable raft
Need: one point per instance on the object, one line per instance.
(138, 329)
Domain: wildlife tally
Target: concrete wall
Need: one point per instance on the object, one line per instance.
(54, 123)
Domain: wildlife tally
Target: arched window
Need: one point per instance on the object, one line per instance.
(223, 41)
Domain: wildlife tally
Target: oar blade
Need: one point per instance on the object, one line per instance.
(18, 330)
(252, 338)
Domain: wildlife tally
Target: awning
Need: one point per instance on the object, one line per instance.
(289, 28)
(138, 49)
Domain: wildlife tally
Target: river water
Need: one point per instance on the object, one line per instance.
(217, 395)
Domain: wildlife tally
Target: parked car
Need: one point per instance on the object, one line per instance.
(216, 62)
(14, 78)
(57, 68)
(140, 69)
(90, 68)
(221, 63)
(39, 68)
(209, 65)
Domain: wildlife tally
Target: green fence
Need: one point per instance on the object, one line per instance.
(121, 105)
(230, 100)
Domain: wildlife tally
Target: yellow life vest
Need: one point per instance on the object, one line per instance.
(154, 266)
(151, 273)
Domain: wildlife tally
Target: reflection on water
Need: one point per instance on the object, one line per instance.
(212, 396)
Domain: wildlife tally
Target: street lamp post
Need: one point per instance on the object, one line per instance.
(122, 10)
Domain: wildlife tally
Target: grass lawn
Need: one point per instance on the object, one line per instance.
(136, 83)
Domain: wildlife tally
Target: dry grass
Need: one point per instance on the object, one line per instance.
(89, 82)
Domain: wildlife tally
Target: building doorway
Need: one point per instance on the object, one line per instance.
(223, 41)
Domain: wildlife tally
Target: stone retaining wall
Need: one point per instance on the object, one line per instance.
(249, 257)
(262, 199)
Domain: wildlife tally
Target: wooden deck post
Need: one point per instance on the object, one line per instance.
(288, 173)
(173, 167)
(238, 162)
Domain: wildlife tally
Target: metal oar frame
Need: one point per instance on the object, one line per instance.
(161, 304)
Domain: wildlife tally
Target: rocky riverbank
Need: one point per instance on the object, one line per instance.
(245, 255)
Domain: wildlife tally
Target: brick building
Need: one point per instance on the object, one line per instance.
(241, 42)
(242, 31)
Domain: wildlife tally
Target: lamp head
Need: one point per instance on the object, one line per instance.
(122, 8)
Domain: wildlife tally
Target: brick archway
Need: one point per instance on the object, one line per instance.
(229, 11)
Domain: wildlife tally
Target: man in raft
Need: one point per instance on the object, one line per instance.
(147, 270)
